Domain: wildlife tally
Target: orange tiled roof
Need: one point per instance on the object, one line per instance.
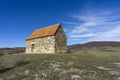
(48, 31)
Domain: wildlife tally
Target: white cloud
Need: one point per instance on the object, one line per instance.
(110, 35)
(83, 35)
(79, 30)
(96, 27)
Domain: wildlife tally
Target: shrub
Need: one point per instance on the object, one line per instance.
(2, 65)
(1, 53)
(21, 60)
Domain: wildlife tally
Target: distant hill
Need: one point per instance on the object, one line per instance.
(104, 46)
(12, 50)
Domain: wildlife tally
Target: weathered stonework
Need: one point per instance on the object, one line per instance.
(42, 45)
(60, 41)
(49, 44)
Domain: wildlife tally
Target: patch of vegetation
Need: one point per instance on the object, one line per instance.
(77, 66)
(7, 64)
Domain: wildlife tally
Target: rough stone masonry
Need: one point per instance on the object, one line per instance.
(51, 39)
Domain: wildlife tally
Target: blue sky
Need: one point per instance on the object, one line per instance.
(82, 20)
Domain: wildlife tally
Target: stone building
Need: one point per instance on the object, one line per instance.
(51, 39)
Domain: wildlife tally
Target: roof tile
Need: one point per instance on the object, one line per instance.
(48, 31)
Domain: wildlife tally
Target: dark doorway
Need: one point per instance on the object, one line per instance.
(33, 47)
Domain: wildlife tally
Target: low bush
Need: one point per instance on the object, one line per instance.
(21, 60)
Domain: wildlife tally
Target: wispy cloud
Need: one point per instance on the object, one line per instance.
(110, 35)
(101, 26)
(83, 35)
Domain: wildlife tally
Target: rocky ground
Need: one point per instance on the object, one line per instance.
(56, 73)
(78, 66)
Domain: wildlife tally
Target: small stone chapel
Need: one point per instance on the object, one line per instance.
(51, 39)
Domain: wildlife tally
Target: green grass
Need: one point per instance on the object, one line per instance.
(68, 63)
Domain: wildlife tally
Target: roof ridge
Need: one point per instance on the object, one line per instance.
(48, 26)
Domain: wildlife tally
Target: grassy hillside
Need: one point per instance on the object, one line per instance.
(78, 66)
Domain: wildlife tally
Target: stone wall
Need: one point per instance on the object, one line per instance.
(49, 44)
(41, 45)
(60, 42)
